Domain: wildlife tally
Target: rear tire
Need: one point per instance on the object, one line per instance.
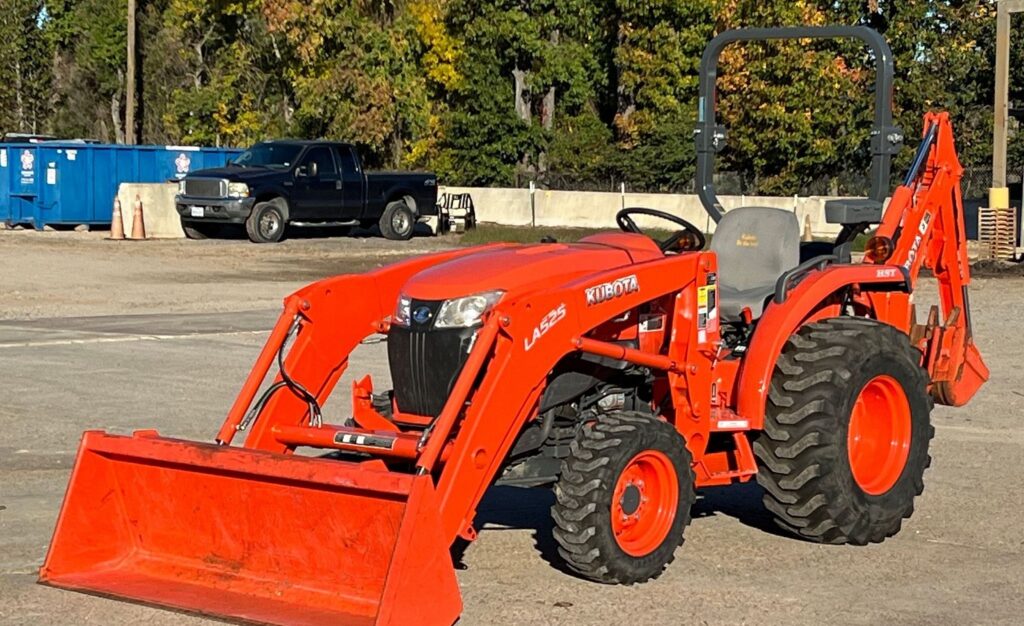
(845, 440)
(398, 221)
(623, 498)
(266, 223)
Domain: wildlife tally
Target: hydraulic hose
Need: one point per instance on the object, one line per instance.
(315, 415)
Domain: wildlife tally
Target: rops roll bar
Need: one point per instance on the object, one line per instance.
(886, 138)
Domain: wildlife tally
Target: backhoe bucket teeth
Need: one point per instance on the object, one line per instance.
(251, 536)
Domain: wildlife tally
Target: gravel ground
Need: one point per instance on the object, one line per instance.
(125, 335)
(57, 274)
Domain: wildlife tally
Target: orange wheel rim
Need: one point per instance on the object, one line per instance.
(878, 439)
(644, 503)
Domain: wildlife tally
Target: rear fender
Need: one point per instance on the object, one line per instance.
(805, 303)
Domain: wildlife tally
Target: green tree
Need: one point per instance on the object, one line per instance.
(232, 91)
(25, 73)
(355, 73)
(656, 58)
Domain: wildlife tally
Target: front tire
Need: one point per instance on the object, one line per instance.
(398, 221)
(266, 223)
(623, 498)
(845, 440)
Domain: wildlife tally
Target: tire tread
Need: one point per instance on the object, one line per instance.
(799, 448)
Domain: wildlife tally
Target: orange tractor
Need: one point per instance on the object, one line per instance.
(625, 371)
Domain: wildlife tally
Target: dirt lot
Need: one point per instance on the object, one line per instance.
(123, 335)
(56, 274)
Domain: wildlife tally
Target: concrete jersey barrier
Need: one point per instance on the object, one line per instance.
(513, 207)
(161, 218)
(595, 209)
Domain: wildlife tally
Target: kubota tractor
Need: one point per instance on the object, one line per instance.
(625, 371)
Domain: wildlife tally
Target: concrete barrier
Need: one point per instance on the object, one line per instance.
(513, 207)
(161, 218)
(597, 209)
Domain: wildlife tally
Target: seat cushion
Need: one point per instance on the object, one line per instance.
(754, 246)
(732, 301)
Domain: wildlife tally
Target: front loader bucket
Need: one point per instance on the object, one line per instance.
(251, 536)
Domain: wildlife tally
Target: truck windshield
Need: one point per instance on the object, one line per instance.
(269, 155)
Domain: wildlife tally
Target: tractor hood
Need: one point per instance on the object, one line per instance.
(520, 268)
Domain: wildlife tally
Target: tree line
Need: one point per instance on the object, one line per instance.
(563, 92)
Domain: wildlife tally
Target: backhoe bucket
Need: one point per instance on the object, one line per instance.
(251, 536)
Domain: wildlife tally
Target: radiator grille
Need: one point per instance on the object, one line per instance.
(205, 187)
(424, 365)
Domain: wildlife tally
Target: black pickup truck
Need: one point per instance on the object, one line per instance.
(303, 183)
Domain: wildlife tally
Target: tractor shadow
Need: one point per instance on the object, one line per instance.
(518, 508)
(741, 502)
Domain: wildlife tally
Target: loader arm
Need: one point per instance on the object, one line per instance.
(254, 532)
(327, 320)
(923, 228)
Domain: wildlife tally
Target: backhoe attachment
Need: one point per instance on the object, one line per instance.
(923, 227)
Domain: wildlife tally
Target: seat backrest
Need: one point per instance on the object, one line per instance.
(756, 245)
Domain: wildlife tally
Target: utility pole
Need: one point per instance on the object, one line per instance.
(999, 193)
(129, 116)
(999, 134)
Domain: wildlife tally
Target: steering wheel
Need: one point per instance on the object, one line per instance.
(689, 238)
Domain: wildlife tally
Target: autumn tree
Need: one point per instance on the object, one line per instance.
(568, 93)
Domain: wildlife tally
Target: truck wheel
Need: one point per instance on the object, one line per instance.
(398, 221)
(194, 230)
(623, 498)
(266, 223)
(845, 440)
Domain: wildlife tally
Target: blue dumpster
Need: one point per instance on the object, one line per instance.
(69, 183)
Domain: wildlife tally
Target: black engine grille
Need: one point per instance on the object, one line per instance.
(205, 187)
(424, 365)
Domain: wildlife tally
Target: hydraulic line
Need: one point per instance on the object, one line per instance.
(315, 415)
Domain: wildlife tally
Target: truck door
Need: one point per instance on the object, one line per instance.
(352, 186)
(317, 187)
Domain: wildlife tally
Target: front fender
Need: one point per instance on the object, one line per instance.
(804, 303)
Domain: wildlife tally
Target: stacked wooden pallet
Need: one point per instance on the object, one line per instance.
(997, 233)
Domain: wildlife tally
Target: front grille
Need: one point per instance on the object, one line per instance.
(205, 187)
(424, 365)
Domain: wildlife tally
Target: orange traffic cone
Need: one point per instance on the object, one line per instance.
(116, 223)
(138, 225)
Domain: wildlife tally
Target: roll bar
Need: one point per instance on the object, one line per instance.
(886, 138)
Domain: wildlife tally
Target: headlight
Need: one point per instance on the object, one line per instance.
(238, 190)
(181, 186)
(401, 315)
(467, 311)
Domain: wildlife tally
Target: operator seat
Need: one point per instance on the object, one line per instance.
(755, 245)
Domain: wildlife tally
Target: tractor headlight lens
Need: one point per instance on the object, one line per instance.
(467, 311)
(238, 190)
(401, 315)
